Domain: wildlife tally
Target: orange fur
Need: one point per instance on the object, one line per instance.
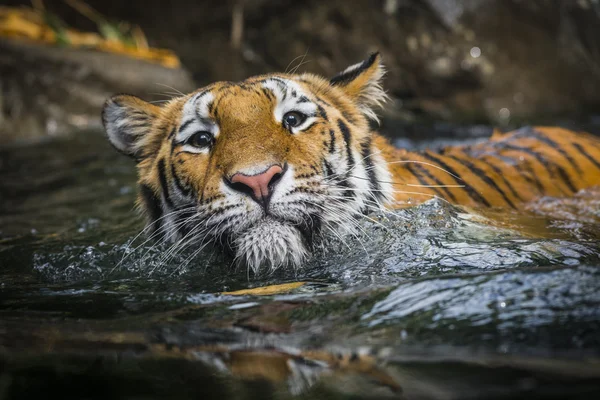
(333, 165)
(518, 167)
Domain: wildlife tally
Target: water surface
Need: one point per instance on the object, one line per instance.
(435, 301)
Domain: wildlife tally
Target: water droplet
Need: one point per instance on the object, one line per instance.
(475, 52)
(504, 113)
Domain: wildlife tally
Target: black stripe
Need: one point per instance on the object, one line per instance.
(163, 182)
(282, 86)
(346, 135)
(225, 87)
(365, 148)
(532, 176)
(349, 193)
(586, 155)
(530, 132)
(328, 169)
(152, 205)
(182, 216)
(341, 181)
(199, 96)
(484, 177)
(180, 186)
(346, 77)
(280, 82)
(332, 142)
(310, 228)
(467, 188)
(322, 112)
(563, 174)
(268, 93)
(501, 175)
(309, 126)
(435, 180)
(216, 106)
(172, 133)
(320, 100)
(373, 125)
(421, 179)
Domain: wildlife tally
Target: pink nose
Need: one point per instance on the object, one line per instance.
(259, 185)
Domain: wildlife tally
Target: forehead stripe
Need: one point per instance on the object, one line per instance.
(185, 124)
(198, 97)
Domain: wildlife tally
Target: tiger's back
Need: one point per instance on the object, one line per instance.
(508, 170)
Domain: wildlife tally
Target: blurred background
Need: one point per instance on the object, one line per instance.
(456, 68)
(460, 309)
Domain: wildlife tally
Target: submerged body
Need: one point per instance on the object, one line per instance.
(265, 166)
(508, 170)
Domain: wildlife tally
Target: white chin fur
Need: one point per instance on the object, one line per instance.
(270, 245)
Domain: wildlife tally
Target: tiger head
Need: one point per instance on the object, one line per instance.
(261, 167)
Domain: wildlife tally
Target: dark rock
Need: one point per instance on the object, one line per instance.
(53, 91)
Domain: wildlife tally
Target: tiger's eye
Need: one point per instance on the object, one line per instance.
(293, 119)
(201, 139)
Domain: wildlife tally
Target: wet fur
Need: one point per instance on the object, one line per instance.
(337, 168)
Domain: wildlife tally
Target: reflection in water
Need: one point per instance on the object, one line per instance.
(519, 299)
(434, 301)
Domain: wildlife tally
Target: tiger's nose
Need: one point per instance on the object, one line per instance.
(259, 186)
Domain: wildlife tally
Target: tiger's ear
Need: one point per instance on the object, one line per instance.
(127, 121)
(362, 82)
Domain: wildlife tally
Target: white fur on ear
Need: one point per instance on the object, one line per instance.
(362, 81)
(127, 119)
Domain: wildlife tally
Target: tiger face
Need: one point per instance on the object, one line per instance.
(261, 167)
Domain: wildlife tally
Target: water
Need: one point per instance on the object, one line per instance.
(431, 302)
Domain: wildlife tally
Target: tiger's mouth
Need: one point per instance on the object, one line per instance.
(272, 243)
(262, 240)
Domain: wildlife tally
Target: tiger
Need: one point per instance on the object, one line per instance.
(267, 167)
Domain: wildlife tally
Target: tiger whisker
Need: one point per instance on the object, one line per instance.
(193, 237)
(367, 169)
(352, 233)
(299, 65)
(199, 250)
(173, 228)
(188, 238)
(301, 61)
(411, 184)
(425, 163)
(172, 88)
(159, 231)
(348, 208)
(294, 59)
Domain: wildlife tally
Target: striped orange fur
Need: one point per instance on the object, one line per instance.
(263, 167)
(508, 170)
